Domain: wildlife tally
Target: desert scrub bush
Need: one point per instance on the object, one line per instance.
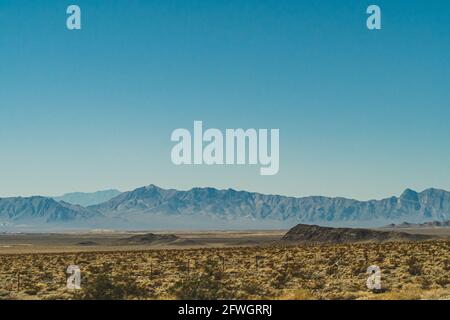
(295, 269)
(413, 266)
(358, 267)
(104, 285)
(443, 281)
(332, 269)
(380, 257)
(183, 266)
(207, 285)
(280, 279)
(425, 283)
(252, 288)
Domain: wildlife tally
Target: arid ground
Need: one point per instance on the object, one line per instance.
(218, 265)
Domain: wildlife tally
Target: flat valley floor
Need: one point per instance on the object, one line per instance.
(219, 265)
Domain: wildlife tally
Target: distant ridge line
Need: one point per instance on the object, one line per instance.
(155, 207)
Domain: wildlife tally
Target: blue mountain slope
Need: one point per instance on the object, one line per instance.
(43, 210)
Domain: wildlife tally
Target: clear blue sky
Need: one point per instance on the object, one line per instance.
(361, 114)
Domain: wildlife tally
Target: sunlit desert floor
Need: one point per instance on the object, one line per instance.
(219, 265)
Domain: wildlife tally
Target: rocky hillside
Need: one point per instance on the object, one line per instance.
(315, 234)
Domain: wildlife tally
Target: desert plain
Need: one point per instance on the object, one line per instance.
(220, 265)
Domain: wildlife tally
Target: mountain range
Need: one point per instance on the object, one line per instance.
(430, 224)
(152, 207)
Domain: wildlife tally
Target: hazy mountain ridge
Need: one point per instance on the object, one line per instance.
(431, 204)
(154, 207)
(88, 198)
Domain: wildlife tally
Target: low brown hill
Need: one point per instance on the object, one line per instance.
(431, 224)
(149, 238)
(318, 234)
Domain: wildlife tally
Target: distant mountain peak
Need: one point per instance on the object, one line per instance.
(410, 194)
(153, 187)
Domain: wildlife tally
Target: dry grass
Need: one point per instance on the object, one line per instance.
(410, 270)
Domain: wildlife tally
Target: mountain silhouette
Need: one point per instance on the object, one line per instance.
(154, 207)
